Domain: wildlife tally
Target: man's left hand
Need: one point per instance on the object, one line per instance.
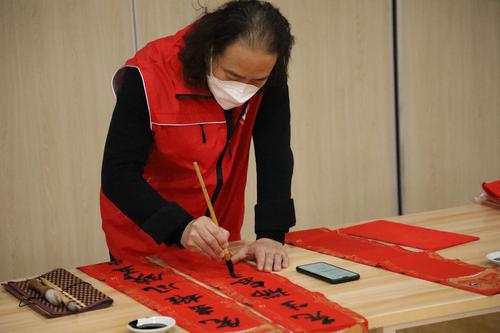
(269, 255)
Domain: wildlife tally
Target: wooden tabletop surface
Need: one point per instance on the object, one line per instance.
(386, 299)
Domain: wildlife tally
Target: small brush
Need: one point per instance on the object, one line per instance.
(227, 255)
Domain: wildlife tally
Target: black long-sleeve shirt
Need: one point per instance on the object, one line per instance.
(127, 148)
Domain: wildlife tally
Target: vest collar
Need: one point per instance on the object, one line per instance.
(183, 89)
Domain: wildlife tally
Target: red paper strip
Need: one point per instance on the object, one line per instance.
(492, 189)
(194, 307)
(285, 303)
(489, 201)
(403, 234)
(424, 265)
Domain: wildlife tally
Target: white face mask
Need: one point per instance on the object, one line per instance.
(230, 94)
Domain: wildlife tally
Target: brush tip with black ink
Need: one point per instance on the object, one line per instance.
(230, 267)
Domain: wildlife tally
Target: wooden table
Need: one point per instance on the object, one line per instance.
(388, 300)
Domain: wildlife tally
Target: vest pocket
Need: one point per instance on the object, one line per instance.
(185, 143)
(203, 135)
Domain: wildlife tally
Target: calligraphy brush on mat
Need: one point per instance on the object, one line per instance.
(227, 256)
(70, 304)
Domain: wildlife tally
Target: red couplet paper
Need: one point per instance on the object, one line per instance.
(426, 265)
(403, 234)
(194, 307)
(492, 189)
(285, 303)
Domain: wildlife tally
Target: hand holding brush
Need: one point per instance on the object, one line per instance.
(227, 255)
(202, 235)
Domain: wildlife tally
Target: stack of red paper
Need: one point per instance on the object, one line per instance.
(426, 265)
(491, 195)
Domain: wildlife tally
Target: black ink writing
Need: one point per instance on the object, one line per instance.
(269, 293)
(161, 288)
(225, 322)
(178, 299)
(249, 281)
(325, 320)
(292, 305)
(202, 309)
(142, 278)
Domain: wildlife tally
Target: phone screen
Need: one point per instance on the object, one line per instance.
(328, 271)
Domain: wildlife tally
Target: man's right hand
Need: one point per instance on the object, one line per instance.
(202, 235)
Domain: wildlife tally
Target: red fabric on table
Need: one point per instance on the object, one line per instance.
(285, 303)
(487, 280)
(343, 246)
(408, 235)
(194, 307)
(429, 266)
(426, 265)
(492, 189)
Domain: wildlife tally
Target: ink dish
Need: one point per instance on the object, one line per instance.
(494, 257)
(156, 324)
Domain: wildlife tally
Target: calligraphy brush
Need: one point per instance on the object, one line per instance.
(70, 304)
(51, 295)
(227, 255)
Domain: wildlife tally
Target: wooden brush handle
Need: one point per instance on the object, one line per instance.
(205, 193)
(38, 286)
(227, 255)
(49, 284)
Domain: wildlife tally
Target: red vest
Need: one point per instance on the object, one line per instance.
(188, 126)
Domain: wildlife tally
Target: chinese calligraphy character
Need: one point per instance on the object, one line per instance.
(325, 320)
(292, 305)
(202, 309)
(178, 299)
(141, 278)
(249, 281)
(125, 269)
(146, 279)
(161, 288)
(225, 322)
(269, 293)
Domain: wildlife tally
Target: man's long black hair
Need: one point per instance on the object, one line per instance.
(257, 23)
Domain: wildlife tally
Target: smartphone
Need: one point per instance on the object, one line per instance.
(328, 272)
